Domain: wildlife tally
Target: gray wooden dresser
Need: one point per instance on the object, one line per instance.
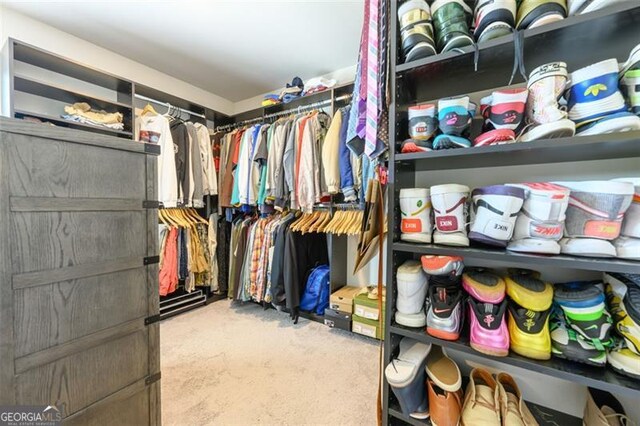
(78, 274)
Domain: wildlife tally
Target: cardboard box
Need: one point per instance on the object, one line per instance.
(367, 308)
(367, 327)
(342, 299)
(337, 319)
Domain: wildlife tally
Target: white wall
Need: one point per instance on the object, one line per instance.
(23, 28)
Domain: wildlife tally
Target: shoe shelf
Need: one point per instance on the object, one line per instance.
(606, 33)
(61, 122)
(577, 148)
(531, 260)
(596, 377)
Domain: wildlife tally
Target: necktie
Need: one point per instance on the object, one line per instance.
(371, 126)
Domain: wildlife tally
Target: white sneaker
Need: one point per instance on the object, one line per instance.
(627, 248)
(412, 292)
(450, 214)
(495, 209)
(415, 208)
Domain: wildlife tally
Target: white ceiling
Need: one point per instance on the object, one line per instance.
(233, 48)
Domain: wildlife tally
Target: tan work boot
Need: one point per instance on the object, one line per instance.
(513, 409)
(444, 406)
(603, 409)
(481, 404)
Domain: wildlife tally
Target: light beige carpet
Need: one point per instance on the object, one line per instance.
(225, 364)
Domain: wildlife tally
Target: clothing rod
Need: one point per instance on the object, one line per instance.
(285, 113)
(168, 105)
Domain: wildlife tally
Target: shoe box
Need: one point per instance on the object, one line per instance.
(337, 319)
(342, 299)
(367, 308)
(367, 327)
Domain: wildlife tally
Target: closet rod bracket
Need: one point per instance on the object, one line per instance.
(150, 204)
(152, 379)
(150, 148)
(152, 319)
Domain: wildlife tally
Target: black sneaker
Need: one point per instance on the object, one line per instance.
(567, 344)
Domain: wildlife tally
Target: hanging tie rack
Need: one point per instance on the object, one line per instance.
(284, 113)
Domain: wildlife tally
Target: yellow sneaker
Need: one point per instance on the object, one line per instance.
(529, 332)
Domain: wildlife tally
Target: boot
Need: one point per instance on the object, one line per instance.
(493, 18)
(454, 118)
(513, 409)
(495, 209)
(540, 223)
(406, 377)
(412, 292)
(628, 244)
(451, 19)
(415, 208)
(503, 112)
(416, 30)
(603, 409)
(596, 104)
(544, 117)
(450, 214)
(594, 216)
(444, 406)
(534, 13)
(481, 400)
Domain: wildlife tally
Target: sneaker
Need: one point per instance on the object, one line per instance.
(583, 304)
(503, 113)
(603, 409)
(444, 307)
(627, 248)
(631, 221)
(632, 62)
(423, 123)
(416, 30)
(567, 344)
(406, 377)
(513, 410)
(623, 300)
(483, 285)
(488, 331)
(413, 145)
(623, 360)
(415, 211)
(630, 87)
(442, 265)
(455, 115)
(412, 291)
(534, 13)
(527, 290)
(481, 400)
(450, 214)
(495, 210)
(451, 19)
(594, 216)
(578, 7)
(493, 18)
(529, 332)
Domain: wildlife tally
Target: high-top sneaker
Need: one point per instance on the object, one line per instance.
(487, 307)
(444, 307)
(423, 124)
(594, 216)
(545, 119)
(534, 13)
(583, 304)
(412, 291)
(495, 209)
(451, 19)
(416, 30)
(529, 307)
(540, 223)
(454, 118)
(415, 208)
(623, 301)
(567, 344)
(494, 18)
(450, 214)
(632, 62)
(596, 104)
(630, 87)
(628, 244)
(442, 265)
(406, 376)
(503, 117)
(623, 360)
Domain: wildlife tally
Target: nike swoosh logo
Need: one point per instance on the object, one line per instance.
(440, 311)
(591, 327)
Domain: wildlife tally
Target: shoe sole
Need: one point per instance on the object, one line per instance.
(450, 240)
(444, 335)
(416, 238)
(489, 351)
(623, 371)
(531, 353)
(578, 360)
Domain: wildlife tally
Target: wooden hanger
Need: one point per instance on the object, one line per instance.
(327, 218)
(148, 109)
(163, 213)
(304, 227)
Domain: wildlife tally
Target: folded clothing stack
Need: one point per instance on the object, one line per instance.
(318, 84)
(81, 112)
(292, 91)
(271, 99)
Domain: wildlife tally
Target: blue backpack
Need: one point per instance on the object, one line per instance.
(316, 293)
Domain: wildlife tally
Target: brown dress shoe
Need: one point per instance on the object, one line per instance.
(444, 407)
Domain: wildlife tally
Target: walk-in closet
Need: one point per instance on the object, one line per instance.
(358, 212)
